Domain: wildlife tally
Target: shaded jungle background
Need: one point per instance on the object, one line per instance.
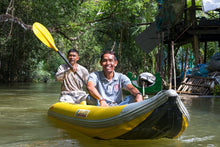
(88, 26)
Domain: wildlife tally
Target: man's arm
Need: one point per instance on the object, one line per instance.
(135, 92)
(60, 75)
(94, 93)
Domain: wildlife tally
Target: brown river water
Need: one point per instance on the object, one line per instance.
(24, 121)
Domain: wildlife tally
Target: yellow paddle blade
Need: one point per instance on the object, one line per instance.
(44, 35)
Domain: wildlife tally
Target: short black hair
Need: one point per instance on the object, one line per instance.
(72, 50)
(108, 52)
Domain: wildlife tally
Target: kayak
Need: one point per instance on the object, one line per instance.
(161, 116)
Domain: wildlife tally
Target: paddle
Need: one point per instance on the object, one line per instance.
(44, 35)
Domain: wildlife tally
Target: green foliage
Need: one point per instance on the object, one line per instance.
(40, 75)
(89, 26)
(197, 3)
(212, 49)
(95, 24)
(216, 90)
(121, 28)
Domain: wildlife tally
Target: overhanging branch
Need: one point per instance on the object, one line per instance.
(8, 17)
(67, 37)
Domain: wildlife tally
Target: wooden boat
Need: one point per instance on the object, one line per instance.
(161, 116)
(153, 89)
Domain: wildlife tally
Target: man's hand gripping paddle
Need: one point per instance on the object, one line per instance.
(44, 36)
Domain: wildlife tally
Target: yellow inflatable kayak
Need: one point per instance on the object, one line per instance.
(163, 115)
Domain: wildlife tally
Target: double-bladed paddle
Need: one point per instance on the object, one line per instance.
(44, 35)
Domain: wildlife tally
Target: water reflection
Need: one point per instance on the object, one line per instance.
(24, 121)
(204, 126)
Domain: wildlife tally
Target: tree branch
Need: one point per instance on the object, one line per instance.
(8, 17)
(101, 19)
(67, 37)
(141, 24)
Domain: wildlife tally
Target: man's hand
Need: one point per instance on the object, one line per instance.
(74, 69)
(103, 103)
(138, 98)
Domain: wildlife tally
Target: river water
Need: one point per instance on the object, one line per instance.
(24, 121)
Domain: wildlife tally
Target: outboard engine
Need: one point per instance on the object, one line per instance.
(146, 79)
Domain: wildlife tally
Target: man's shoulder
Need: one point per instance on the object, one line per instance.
(119, 74)
(82, 67)
(96, 73)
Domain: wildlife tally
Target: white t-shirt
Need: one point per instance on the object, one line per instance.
(70, 80)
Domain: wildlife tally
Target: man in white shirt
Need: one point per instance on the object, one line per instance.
(72, 85)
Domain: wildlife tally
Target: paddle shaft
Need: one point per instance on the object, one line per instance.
(71, 66)
(44, 36)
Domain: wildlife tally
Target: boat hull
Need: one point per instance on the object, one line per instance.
(162, 116)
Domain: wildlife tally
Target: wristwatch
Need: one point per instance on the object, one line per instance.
(101, 99)
(139, 93)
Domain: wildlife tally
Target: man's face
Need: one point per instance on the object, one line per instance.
(108, 63)
(73, 57)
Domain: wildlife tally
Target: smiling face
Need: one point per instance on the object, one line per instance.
(108, 63)
(73, 57)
